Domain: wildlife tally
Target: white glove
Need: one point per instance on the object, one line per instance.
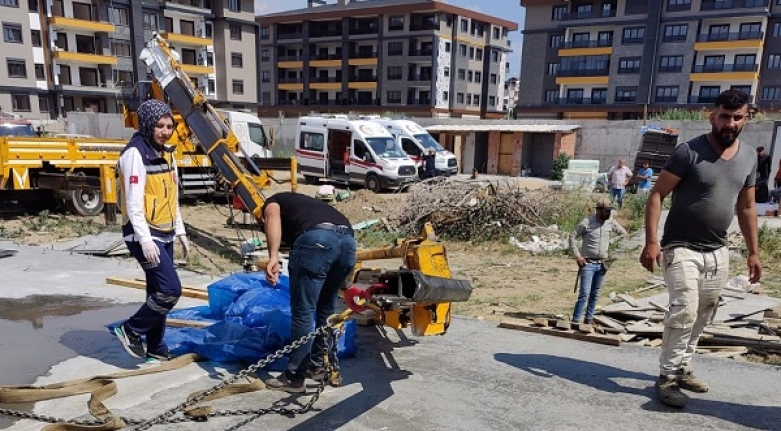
(151, 252)
(185, 245)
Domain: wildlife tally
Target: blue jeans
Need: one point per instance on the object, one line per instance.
(163, 290)
(591, 277)
(320, 261)
(617, 195)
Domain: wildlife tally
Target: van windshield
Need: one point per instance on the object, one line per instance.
(17, 130)
(258, 135)
(428, 141)
(386, 148)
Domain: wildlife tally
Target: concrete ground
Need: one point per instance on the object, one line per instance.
(476, 377)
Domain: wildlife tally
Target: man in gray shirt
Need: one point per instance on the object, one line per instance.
(595, 231)
(711, 178)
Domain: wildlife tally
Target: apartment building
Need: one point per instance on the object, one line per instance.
(69, 55)
(419, 57)
(615, 59)
(511, 88)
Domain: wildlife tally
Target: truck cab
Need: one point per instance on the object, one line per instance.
(250, 132)
(351, 152)
(416, 141)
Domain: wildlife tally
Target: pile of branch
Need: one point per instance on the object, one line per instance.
(465, 210)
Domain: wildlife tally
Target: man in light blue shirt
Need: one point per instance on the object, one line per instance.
(644, 176)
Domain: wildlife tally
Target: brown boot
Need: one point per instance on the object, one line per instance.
(668, 391)
(687, 380)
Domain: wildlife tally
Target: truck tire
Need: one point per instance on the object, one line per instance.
(373, 183)
(84, 202)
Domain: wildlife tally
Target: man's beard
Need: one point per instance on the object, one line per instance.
(726, 136)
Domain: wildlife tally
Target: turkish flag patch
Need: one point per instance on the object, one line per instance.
(134, 179)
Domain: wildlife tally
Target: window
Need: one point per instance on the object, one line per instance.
(492, 100)
(556, 40)
(605, 38)
(264, 56)
(150, 21)
(264, 32)
(32, 5)
(771, 93)
(744, 88)
(20, 102)
(234, 5)
(235, 31)
(462, 50)
(478, 77)
(238, 86)
(479, 54)
(265, 76)
(396, 23)
(40, 73)
(16, 68)
(394, 96)
(312, 141)
(447, 46)
(210, 59)
(598, 95)
(744, 62)
(237, 60)
(559, 13)
(751, 30)
(464, 25)
(468, 98)
(718, 32)
(551, 95)
(461, 74)
(120, 48)
(446, 72)
(493, 78)
(472, 52)
(12, 33)
(629, 65)
(445, 96)
(459, 97)
(43, 104)
(553, 69)
(667, 94)
(123, 77)
(633, 35)
(671, 63)
(118, 15)
(626, 94)
(581, 40)
(394, 73)
(14, 3)
(469, 76)
(495, 56)
(496, 33)
(35, 38)
(709, 93)
(776, 29)
(675, 32)
(677, 5)
(774, 61)
(476, 100)
(397, 48)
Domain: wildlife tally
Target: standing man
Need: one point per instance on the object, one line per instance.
(713, 177)
(618, 176)
(763, 175)
(430, 163)
(151, 220)
(595, 231)
(644, 176)
(322, 256)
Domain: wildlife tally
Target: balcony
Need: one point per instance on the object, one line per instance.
(363, 54)
(363, 59)
(63, 23)
(290, 80)
(316, 33)
(394, 100)
(362, 30)
(422, 52)
(196, 69)
(187, 39)
(666, 99)
(419, 77)
(578, 101)
(718, 68)
(325, 79)
(732, 4)
(371, 78)
(323, 57)
(83, 57)
(720, 41)
(290, 35)
(419, 102)
(586, 47)
(698, 100)
(571, 16)
(426, 26)
(597, 71)
(290, 58)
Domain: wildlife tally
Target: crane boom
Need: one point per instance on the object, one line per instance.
(213, 135)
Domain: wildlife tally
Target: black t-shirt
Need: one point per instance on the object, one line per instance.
(301, 212)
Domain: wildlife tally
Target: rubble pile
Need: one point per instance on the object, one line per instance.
(476, 210)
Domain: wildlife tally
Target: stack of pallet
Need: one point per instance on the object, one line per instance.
(656, 146)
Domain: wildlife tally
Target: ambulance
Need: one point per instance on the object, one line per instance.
(351, 151)
(416, 141)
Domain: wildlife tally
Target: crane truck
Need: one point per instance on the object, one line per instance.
(418, 296)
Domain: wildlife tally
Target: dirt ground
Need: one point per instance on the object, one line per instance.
(504, 278)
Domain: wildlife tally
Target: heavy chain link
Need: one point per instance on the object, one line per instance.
(165, 417)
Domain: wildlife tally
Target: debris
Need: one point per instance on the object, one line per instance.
(7, 253)
(628, 299)
(188, 291)
(103, 244)
(365, 224)
(529, 326)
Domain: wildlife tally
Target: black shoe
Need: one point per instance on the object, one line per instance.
(161, 357)
(130, 340)
(283, 383)
(316, 372)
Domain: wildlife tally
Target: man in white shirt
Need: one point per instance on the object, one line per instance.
(618, 176)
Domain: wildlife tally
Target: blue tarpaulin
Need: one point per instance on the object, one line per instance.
(252, 320)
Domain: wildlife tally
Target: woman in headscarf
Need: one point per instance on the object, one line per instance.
(150, 221)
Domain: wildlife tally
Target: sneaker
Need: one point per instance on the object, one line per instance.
(668, 391)
(130, 340)
(687, 380)
(293, 385)
(161, 357)
(316, 372)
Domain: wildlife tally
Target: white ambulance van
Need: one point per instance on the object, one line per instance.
(250, 132)
(416, 141)
(351, 151)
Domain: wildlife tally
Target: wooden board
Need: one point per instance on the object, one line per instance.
(611, 323)
(181, 323)
(528, 326)
(628, 299)
(188, 292)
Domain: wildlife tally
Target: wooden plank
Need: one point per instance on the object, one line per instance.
(729, 341)
(190, 293)
(656, 342)
(645, 329)
(730, 294)
(181, 323)
(539, 321)
(627, 337)
(628, 299)
(659, 306)
(527, 326)
(743, 334)
(184, 286)
(585, 327)
(772, 322)
(610, 323)
(563, 324)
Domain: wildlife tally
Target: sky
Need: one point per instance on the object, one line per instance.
(509, 10)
